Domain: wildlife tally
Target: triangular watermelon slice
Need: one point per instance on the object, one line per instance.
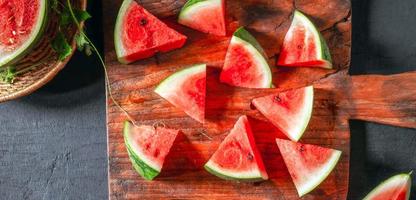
(308, 164)
(237, 157)
(147, 147)
(22, 24)
(207, 16)
(395, 188)
(185, 89)
(304, 45)
(138, 34)
(245, 64)
(289, 111)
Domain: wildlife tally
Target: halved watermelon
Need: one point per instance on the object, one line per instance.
(147, 147)
(304, 45)
(185, 89)
(22, 23)
(138, 34)
(308, 164)
(395, 188)
(207, 16)
(237, 157)
(245, 64)
(289, 111)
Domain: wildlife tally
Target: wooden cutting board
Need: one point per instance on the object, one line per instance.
(338, 98)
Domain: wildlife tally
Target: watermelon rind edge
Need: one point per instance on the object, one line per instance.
(212, 170)
(38, 34)
(325, 54)
(243, 37)
(325, 173)
(243, 34)
(310, 96)
(379, 187)
(141, 167)
(189, 6)
(165, 86)
(117, 31)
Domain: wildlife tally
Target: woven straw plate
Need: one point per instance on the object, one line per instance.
(32, 80)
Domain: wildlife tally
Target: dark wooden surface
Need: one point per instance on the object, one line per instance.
(183, 176)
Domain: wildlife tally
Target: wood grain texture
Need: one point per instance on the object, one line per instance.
(338, 97)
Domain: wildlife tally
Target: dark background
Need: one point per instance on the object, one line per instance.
(53, 142)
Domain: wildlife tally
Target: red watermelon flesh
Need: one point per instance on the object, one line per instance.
(18, 18)
(139, 34)
(207, 16)
(148, 147)
(237, 157)
(304, 46)
(185, 89)
(290, 111)
(307, 164)
(245, 65)
(394, 188)
(21, 26)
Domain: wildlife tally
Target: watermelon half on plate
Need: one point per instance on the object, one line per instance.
(304, 45)
(147, 147)
(138, 34)
(207, 16)
(22, 23)
(245, 64)
(185, 89)
(237, 157)
(290, 111)
(395, 188)
(308, 164)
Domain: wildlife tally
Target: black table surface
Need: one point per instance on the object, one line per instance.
(53, 142)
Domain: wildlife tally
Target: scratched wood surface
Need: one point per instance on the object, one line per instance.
(338, 97)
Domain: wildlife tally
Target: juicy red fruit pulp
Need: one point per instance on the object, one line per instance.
(17, 19)
(143, 34)
(243, 69)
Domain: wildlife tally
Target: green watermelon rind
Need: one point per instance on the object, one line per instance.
(117, 31)
(308, 114)
(324, 54)
(322, 176)
(381, 186)
(165, 86)
(243, 34)
(214, 171)
(190, 5)
(35, 37)
(143, 168)
(245, 39)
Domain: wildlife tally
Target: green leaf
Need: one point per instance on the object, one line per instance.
(65, 17)
(83, 44)
(81, 15)
(54, 6)
(8, 75)
(61, 46)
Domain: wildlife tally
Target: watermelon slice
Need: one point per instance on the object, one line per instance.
(237, 157)
(308, 164)
(138, 34)
(395, 188)
(245, 64)
(147, 147)
(185, 89)
(22, 23)
(304, 45)
(207, 16)
(290, 111)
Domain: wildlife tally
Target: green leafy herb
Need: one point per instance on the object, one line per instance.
(8, 74)
(61, 46)
(81, 15)
(83, 44)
